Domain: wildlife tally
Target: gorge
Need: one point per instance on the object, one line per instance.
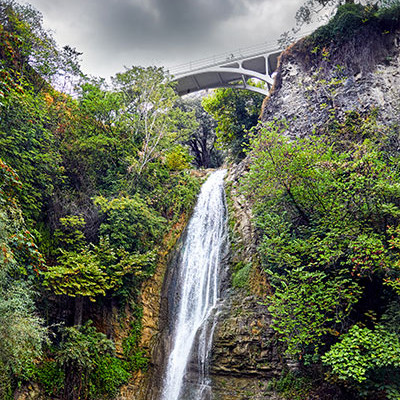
(128, 273)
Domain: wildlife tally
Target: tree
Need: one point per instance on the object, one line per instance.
(87, 271)
(202, 140)
(149, 113)
(236, 112)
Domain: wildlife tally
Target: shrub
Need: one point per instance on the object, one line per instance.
(366, 359)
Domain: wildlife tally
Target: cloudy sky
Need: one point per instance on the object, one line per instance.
(114, 33)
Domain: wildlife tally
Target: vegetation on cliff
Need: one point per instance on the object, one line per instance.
(327, 212)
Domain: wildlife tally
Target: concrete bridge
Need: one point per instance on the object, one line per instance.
(232, 69)
(229, 70)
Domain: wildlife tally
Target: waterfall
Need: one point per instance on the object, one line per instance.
(199, 275)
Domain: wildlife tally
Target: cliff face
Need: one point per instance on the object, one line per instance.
(245, 354)
(315, 84)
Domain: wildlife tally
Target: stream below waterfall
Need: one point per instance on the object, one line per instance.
(199, 272)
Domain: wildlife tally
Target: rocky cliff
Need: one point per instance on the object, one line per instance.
(316, 84)
(245, 354)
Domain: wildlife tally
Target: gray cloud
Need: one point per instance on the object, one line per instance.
(113, 33)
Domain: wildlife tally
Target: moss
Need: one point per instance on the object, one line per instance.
(240, 278)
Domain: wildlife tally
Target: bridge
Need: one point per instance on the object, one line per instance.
(232, 69)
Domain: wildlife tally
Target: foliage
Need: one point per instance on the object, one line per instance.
(236, 112)
(129, 223)
(202, 139)
(22, 330)
(347, 20)
(367, 358)
(178, 159)
(149, 114)
(326, 208)
(135, 357)
(96, 269)
(307, 306)
(51, 376)
(27, 144)
(80, 352)
(240, 277)
(110, 374)
(291, 386)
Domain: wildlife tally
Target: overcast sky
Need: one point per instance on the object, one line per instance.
(114, 33)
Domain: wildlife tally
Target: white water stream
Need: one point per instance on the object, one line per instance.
(199, 279)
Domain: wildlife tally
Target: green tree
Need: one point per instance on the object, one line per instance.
(202, 139)
(22, 331)
(150, 114)
(236, 112)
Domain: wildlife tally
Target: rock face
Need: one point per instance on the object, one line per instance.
(314, 84)
(245, 355)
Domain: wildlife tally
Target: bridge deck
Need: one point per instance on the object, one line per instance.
(227, 69)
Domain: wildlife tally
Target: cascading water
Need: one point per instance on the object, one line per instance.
(200, 271)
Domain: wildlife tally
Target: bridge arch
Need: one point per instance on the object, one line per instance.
(229, 70)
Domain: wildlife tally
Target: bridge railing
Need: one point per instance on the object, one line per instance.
(228, 57)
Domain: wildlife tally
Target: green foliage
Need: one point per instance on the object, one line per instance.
(326, 208)
(367, 358)
(70, 235)
(176, 196)
(291, 385)
(240, 277)
(178, 159)
(236, 112)
(135, 357)
(129, 223)
(96, 269)
(22, 331)
(307, 306)
(110, 374)
(348, 19)
(87, 356)
(51, 376)
(202, 139)
(144, 92)
(27, 144)
(80, 351)
(351, 18)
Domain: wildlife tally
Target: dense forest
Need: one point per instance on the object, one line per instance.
(97, 181)
(95, 187)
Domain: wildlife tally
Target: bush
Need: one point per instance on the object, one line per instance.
(368, 360)
(130, 223)
(51, 376)
(240, 278)
(178, 159)
(90, 368)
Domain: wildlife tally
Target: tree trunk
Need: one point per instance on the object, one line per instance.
(78, 315)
